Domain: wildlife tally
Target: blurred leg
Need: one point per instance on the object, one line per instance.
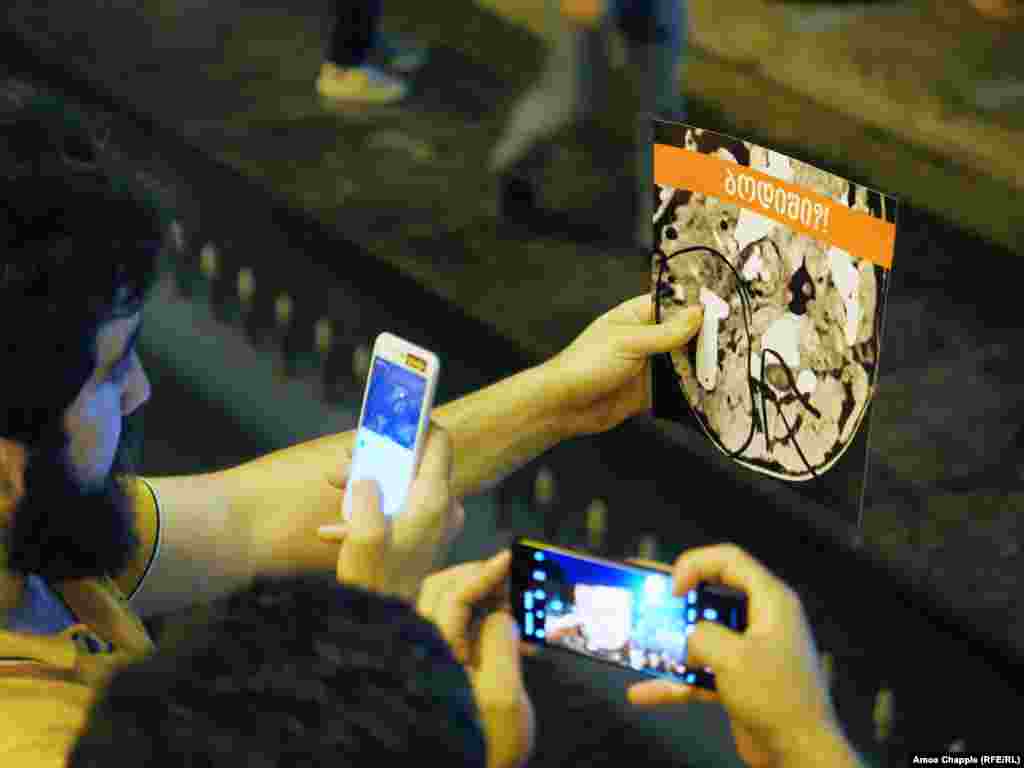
(655, 32)
(575, 76)
(657, 43)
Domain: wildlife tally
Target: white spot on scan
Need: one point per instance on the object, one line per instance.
(752, 227)
(806, 382)
(715, 310)
(846, 278)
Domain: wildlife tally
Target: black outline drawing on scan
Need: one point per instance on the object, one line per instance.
(785, 365)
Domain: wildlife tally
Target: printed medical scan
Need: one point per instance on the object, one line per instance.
(791, 265)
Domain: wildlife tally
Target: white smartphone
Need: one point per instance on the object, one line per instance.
(393, 420)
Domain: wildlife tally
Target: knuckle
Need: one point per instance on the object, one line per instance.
(446, 448)
(428, 585)
(438, 506)
(502, 702)
(791, 598)
(733, 551)
(442, 438)
(376, 537)
(798, 601)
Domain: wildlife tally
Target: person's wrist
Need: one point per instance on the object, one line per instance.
(557, 405)
(825, 745)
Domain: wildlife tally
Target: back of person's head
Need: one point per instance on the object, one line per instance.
(293, 671)
(81, 238)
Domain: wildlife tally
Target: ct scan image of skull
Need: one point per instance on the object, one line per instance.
(782, 372)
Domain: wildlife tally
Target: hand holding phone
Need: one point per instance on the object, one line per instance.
(464, 602)
(617, 613)
(769, 678)
(394, 434)
(393, 420)
(394, 558)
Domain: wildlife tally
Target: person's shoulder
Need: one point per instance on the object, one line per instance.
(43, 711)
(42, 754)
(47, 747)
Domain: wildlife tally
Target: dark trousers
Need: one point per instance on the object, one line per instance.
(355, 32)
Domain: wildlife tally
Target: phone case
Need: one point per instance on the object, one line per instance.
(616, 613)
(405, 386)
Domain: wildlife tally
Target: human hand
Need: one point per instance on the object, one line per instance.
(489, 649)
(394, 556)
(769, 678)
(603, 377)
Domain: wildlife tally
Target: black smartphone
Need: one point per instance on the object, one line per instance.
(615, 612)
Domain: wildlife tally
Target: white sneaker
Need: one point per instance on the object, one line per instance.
(359, 85)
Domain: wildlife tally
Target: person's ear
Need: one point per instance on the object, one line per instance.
(13, 458)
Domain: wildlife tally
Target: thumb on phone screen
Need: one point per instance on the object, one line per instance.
(364, 552)
(710, 645)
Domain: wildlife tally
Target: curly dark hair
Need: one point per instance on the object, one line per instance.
(81, 240)
(292, 671)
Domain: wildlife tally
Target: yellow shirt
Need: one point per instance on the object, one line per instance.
(47, 682)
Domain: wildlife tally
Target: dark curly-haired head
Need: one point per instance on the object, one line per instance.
(293, 671)
(81, 238)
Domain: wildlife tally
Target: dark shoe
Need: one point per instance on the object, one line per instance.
(517, 198)
(519, 187)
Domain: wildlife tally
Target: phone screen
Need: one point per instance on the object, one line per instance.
(616, 613)
(386, 439)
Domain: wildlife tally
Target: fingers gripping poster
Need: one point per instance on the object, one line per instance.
(791, 265)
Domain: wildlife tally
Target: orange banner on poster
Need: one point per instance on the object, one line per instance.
(859, 234)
